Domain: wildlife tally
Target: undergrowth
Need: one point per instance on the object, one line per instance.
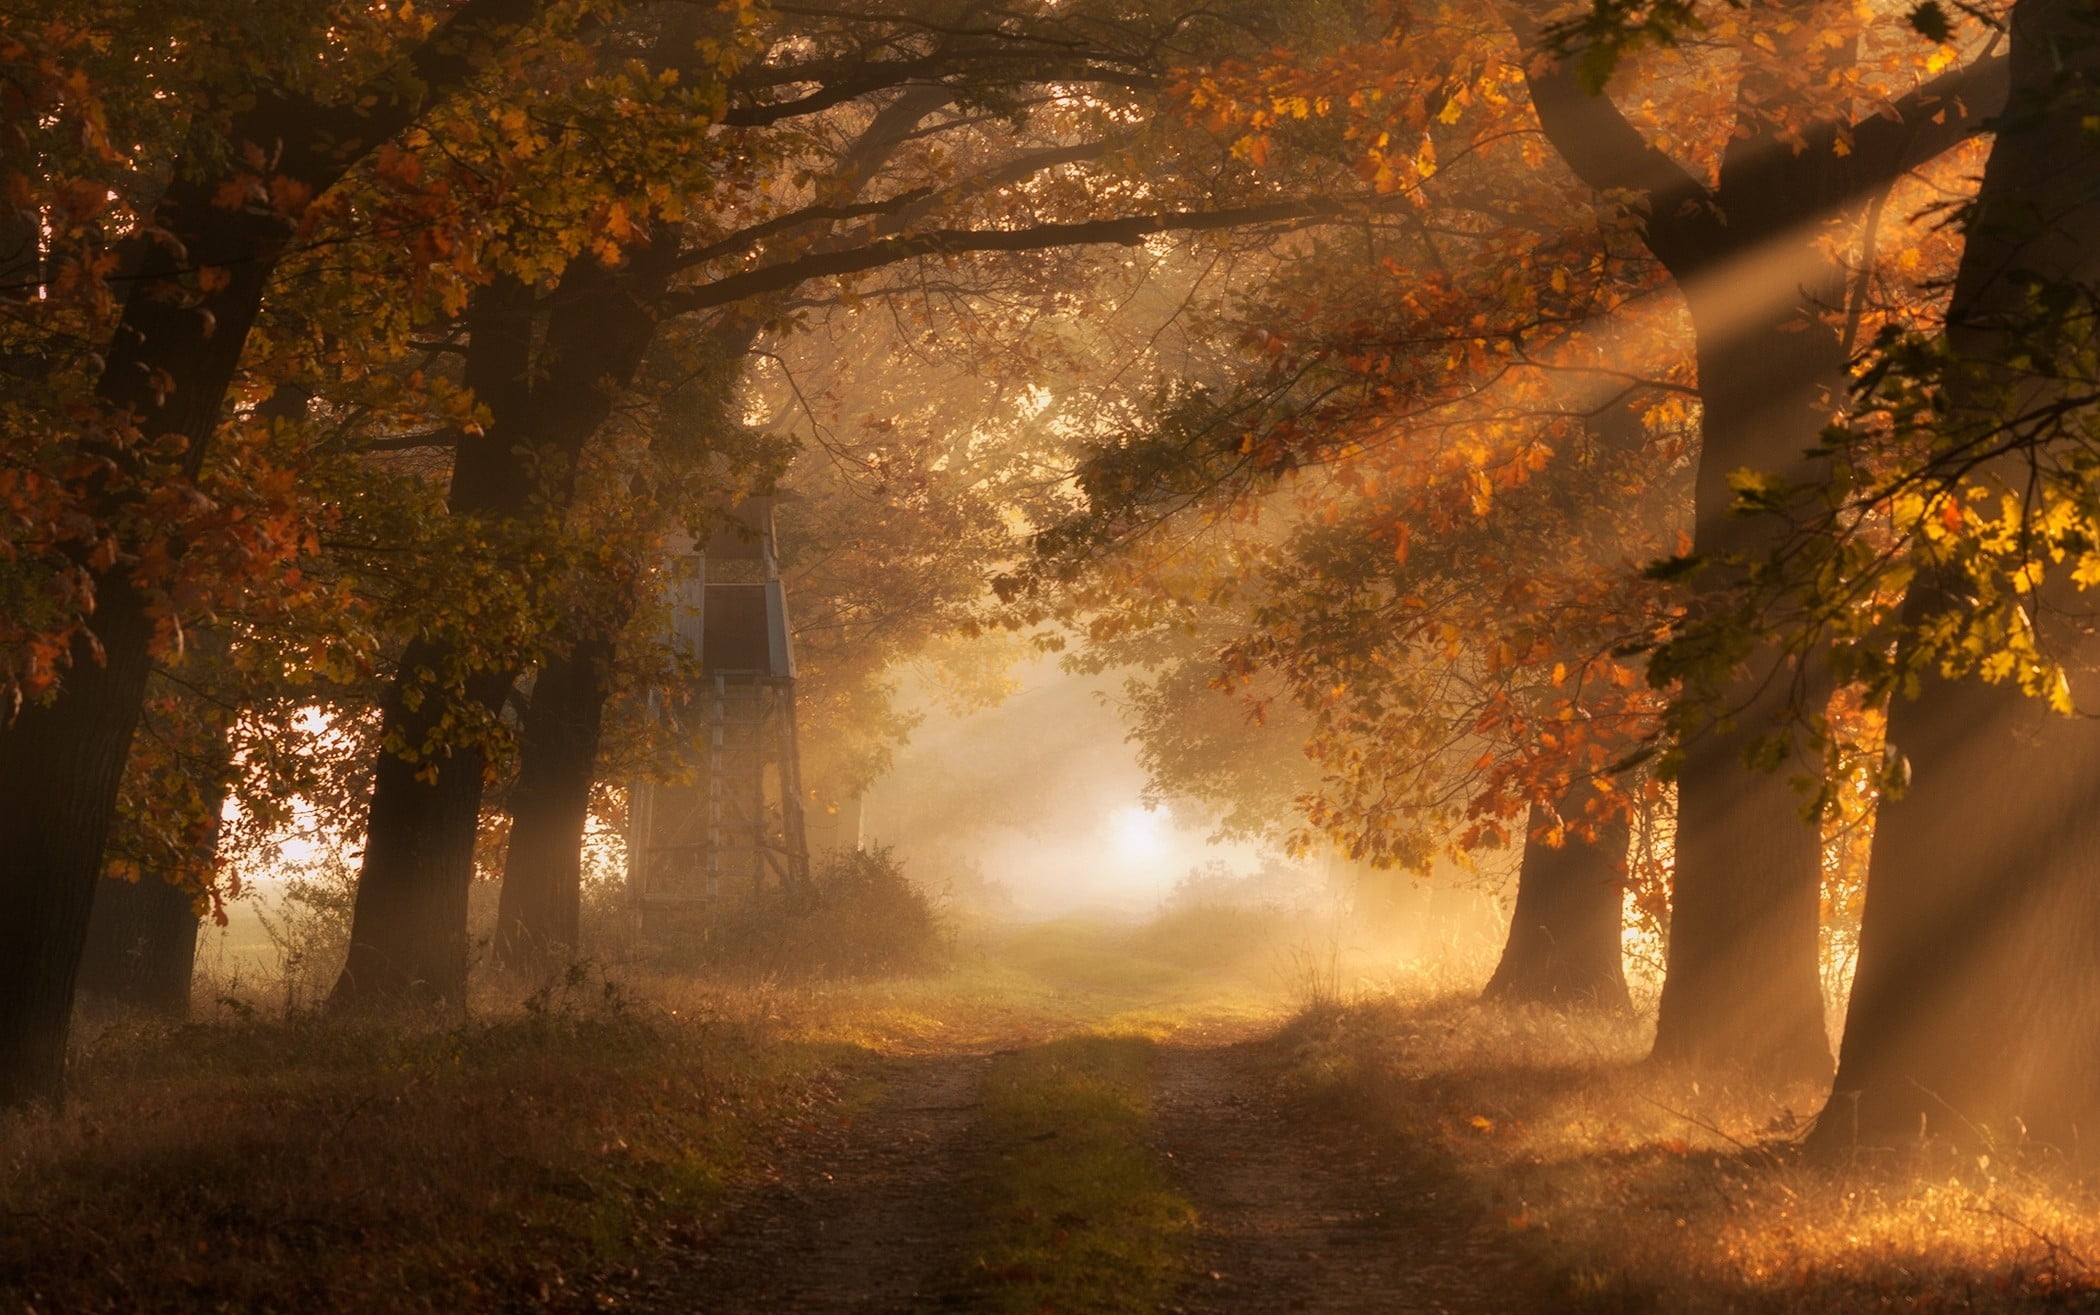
(1645, 1190)
(858, 916)
(545, 1159)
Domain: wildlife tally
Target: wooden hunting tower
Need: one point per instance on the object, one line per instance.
(737, 820)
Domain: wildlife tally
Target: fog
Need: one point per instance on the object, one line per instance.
(1040, 796)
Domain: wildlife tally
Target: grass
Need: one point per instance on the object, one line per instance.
(1080, 1214)
(558, 1155)
(1644, 1190)
(545, 1159)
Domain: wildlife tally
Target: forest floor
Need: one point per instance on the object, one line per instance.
(1074, 1119)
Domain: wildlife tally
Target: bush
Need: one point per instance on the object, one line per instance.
(308, 924)
(859, 916)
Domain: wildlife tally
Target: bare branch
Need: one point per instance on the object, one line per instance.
(1126, 230)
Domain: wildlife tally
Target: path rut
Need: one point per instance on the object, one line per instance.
(1296, 1214)
(859, 1214)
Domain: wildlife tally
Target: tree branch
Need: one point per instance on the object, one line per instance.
(836, 83)
(1933, 118)
(746, 238)
(1611, 155)
(408, 89)
(1127, 230)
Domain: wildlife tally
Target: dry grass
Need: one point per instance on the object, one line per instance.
(552, 1156)
(545, 1160)
(1647, 1191)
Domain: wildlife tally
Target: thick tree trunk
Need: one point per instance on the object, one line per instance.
(1743, 988)
(1975, 1012)
(60, 766)
(141, 947)
(409, 926)
(408, 939)
(536, 916)
(1566, 933)
(1743, 985)
(408, 933)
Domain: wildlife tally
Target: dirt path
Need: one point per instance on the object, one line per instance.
(1296, 1216)
(866, 1212)
(860, 1213)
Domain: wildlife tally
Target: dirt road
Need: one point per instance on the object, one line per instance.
(868, 1212)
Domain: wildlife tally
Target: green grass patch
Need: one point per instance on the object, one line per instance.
(1080, 1214)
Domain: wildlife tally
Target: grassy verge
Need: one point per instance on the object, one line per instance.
(1080, 1215)
(559, 1155)
(1645, 1191)
(539, 1160)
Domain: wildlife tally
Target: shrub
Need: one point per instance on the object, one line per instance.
(858, 916)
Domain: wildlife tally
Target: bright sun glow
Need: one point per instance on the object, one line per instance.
(1140, 834)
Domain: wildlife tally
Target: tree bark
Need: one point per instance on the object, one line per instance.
(408, 939)
(408, 935)
(60, 766)
(1975, 1011)
(537, 913)
(1565, 942)
(1743, 984)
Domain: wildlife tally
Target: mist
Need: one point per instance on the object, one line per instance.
(1042, 796)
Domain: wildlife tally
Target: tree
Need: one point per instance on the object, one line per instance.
(266, 140)
(548, 392)
(161, 872)
(910, 119)
(1972, 1013)
(1748, 254)
(1567, 927)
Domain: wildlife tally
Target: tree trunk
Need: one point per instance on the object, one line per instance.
(1743, 988)
(409, 926)
(141, 946)
(1566, 933)
(536, 917)
(408, 931)
(408, 939)
(1975, 1012)
(60, 767)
